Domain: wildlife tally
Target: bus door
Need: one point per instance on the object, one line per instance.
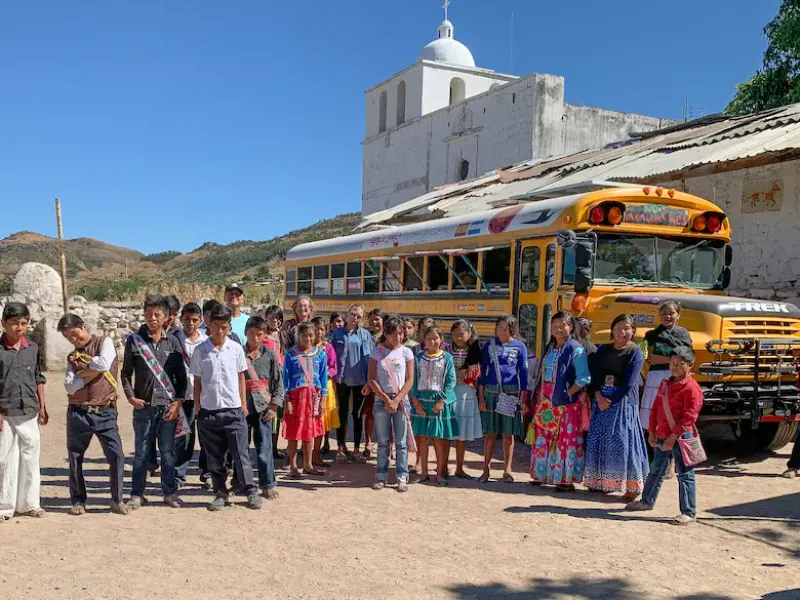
(534, 291)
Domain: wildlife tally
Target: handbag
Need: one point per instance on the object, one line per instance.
(411, 441)
(691, 448)
(507, 404)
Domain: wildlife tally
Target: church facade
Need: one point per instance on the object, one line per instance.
(443, 120)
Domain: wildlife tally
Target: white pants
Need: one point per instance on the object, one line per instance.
(651, 385)
(19, 465)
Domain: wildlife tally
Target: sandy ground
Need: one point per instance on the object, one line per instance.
(336, 538)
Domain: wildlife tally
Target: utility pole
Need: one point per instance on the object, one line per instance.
(64, 295)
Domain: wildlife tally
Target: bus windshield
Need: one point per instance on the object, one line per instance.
(696, 263)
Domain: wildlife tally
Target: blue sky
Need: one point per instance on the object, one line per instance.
(162, 124)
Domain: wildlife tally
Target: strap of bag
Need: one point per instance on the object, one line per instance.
(392, 374)
(306, 371)
(496, 361)
(665, 401)
(107, 375)
(152, 363)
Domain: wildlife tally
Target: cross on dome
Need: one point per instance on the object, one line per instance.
(446, 49)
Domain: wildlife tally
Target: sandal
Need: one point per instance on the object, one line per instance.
(507, 478)
(295, 476)
(361, 459)
(314, 471)
(366, 453)
(565, 488)
(341, 458)
(320, 463)
(463, 475)
(442, 482)
(424, 479)
(77, 510)
(791, 474)
(36, 513)
(483, 478)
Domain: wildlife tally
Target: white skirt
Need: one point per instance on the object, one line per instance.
(651, 385)
(470, 426)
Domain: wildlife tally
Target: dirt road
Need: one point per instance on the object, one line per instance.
(336, 538)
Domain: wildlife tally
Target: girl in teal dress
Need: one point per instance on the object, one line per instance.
(433, 396)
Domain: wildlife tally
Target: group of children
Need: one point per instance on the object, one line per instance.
(187, 374)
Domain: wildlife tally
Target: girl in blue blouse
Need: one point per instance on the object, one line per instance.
(504, 369)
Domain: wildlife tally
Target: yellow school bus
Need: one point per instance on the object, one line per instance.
(597, 254)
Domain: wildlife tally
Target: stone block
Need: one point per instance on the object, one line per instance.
(52, 345)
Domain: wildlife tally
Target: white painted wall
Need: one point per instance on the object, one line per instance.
(766, 245)
(436, 78)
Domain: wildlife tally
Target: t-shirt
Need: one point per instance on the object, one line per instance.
(218, 370)
(664, 341)
(238, 325)
(189, 347)
(397, 358)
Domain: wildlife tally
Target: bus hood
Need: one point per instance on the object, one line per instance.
(724, 306)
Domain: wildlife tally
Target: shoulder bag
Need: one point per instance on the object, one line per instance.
(691, 448)
(507, 404)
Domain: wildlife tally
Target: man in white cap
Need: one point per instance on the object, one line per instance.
(234, 296)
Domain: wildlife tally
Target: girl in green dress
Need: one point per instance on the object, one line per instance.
(433, 396)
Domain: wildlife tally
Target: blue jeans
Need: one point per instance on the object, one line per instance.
(149, 425)
(262, 439)
(687, 491)
(385, 422)
(184, 446)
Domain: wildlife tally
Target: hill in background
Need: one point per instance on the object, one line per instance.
(101, 271)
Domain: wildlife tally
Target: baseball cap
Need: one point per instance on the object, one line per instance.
(233, 287)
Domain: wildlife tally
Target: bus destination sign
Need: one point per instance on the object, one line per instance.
(656, 214)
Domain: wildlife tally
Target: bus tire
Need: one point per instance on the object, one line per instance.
(768, 436)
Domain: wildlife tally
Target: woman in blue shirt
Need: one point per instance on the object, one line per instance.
(504, 371)
(557, 456)
(353, 345)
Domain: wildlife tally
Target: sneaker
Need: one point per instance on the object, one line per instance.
(378, 485)
(135, 502)
(205, 480)
(77, 509)
(271, 494)
(120, 508)
(402, 486)
(682, 520)
(172, 501)
(638, 506)
(220, 502)
(254, 501)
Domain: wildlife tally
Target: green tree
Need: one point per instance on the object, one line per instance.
(778, 82)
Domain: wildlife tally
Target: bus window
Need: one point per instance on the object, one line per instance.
(304, 280)
(568, 266)
(528, 326)
(547, 314)
(291, 282)
(461, 265)
(437, 273)
(550, 269)
(337, 279)
(412, 281)
(353, 278)
(529, 272)
(321, 280)
(497, 268)
(372, 277)
(391, 273)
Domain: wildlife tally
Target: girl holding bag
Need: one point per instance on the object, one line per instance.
(557, 456)
(673, 435)
(391, 377)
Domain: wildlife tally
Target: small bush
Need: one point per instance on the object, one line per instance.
(162, 257)
(117, 290)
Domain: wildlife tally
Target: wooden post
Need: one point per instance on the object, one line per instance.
(64, 295)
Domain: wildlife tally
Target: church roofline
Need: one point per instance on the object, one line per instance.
(449, 67)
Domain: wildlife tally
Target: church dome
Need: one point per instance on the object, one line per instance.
(446, 49)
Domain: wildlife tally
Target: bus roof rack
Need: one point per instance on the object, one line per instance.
(583, 187)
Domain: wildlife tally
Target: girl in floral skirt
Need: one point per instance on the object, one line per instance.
(466, 352)
(330, 411)
(305, 375)
(433, 396)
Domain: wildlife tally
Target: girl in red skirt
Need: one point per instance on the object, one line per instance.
(305, 375)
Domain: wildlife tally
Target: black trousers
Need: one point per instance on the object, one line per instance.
(81, 426)
(224, 431)
(794, 459)
(343, 392)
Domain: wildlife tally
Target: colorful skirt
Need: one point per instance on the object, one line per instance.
(443, 426)
(330, 413)
(301, 425)
(616, 456)
(557, 451)
(651, 385)
(470, 426)
(495, 423)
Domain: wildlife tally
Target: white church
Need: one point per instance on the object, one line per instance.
(443, 120)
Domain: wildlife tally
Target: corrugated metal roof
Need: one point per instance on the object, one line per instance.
(709, 140)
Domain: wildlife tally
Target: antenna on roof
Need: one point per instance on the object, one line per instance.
(690, 113)
(444, 6)
(511, 47)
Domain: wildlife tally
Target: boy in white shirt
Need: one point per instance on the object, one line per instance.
(218, 366)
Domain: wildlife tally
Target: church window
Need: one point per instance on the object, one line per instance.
(463, 170)
(382, 113)
(401, 102)
(458, 90)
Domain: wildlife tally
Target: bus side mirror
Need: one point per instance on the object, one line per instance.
(728, 255)
(726, 278)
(584, 266)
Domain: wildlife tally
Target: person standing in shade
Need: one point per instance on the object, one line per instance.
(234, 297)
(277, 340)
(91, 384)
(353, 346)
(616, 457)
(22, 410)
(154, 381)
(466, 352)
(504, 369)
(190, 337)
(219, 368)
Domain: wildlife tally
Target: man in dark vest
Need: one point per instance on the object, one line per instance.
(91, 383)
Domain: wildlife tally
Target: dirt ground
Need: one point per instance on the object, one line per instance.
(336, 538)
